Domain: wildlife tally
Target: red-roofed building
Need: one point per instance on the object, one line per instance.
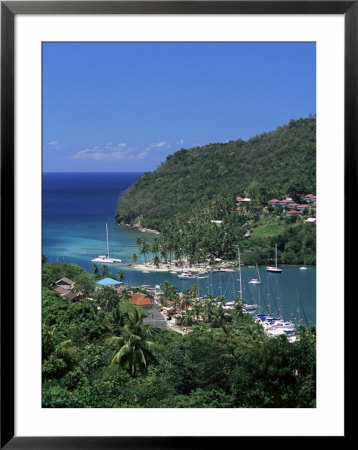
(273, 202)
(140, 299)
(293, 213)
(302, 207)
(283, 203)
(310, 198)
(292, 205)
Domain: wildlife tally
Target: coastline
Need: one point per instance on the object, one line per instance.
(138, 228)
(163, 267)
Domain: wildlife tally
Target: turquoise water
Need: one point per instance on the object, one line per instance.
(76, 208)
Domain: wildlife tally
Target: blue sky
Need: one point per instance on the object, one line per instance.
(126, 106)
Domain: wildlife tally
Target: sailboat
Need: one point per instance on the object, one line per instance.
(256, 280)
(106, 259)
(274, 269)
(304, 266)
(246, 306)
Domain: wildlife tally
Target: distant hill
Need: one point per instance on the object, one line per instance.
(266, 166)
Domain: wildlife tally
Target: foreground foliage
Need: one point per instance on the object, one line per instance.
(108, 358)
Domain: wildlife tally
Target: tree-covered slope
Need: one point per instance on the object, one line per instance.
(266, 166)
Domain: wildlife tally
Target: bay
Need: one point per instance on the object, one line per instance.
(76, 208)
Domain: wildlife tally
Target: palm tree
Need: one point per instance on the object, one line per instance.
(238, 308)
(156, 260)
(138, 241)
(188, 318)
(186, 299)
(104, 270)
(121, 275)
(136, 346)
(124, 294)
(95, 268)
(195, 290)
(144, 249)
(134, 258)
(164, 255)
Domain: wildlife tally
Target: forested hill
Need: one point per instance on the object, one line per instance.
(270, 165)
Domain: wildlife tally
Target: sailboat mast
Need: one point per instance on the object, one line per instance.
(107, 241)
(276, 255)
(238, 250)
(298, 309)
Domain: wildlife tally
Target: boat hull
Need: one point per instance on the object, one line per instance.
(273, 270)
(106, 260)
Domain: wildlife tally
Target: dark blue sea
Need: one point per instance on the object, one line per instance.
(76, 208)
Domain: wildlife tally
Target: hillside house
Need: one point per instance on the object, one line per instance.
(293, 213)
(274, 202)
(65, 283)
(64, 287)
(283, 203)
(292, 205)
(142, 300)
(310, 198)
(242, 201)
(303, 207)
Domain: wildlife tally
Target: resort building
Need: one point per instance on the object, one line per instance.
(293, 213)
(310, 198)
(292, 205)
(273, 202)
(109, 282)
(283, 203)
(303, 208)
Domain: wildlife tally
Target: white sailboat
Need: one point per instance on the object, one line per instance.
(304, 265)
(256, 280)
(274, 269)
(106, 259)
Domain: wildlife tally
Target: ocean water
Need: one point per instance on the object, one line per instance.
(76, 208)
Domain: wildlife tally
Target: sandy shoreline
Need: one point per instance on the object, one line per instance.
(164, 268)
(150, 267)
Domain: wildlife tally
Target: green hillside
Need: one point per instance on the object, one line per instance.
(270, 165)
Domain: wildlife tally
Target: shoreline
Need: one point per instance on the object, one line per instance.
(164, 268)
(135, 227)
(226, 267)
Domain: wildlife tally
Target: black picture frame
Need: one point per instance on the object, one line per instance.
(9, 9)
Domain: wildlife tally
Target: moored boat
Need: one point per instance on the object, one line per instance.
(106, 259)
(274, 269)
(256, 280)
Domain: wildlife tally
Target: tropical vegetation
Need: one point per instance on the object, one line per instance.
(98, 352)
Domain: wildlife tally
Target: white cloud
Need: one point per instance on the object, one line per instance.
(115, 152)
(181, 142)
(160, 144)
(101, 154)
(52, 143)
(150, 147)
